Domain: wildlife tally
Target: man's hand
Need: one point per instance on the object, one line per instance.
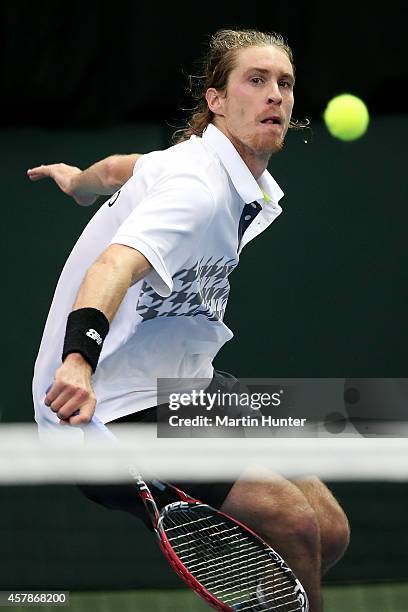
(71, 396)
(66, 178)
(84, 186)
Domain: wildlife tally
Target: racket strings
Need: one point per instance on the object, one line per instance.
(211, 545)
(247, 578)
(190, 543)
(229, 562)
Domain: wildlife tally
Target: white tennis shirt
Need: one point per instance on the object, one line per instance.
(181, 209)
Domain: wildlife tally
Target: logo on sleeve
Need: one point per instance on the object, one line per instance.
(114, 198)
(93, 334)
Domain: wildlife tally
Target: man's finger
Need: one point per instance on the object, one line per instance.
(68, 397)
(66, 421)
(85, 415)
(35, 174)
(53, 393)
(73, 403)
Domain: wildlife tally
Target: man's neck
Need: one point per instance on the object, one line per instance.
(257, 163)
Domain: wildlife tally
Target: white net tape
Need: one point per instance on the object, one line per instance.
(26, 459)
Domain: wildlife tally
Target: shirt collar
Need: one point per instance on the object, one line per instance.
(239, 173)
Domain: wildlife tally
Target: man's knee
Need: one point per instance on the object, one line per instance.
(278, 512)
(294, 523)
(333, 524)
(335, 537)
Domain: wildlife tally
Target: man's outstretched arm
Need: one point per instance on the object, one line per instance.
(102, 290)
(84, 186)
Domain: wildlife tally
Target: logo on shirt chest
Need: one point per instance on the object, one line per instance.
(202, 289)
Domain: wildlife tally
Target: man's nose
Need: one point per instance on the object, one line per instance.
(274, 94)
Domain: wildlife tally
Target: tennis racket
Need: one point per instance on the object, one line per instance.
(219, 558)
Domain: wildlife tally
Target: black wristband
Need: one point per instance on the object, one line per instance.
(86, 330)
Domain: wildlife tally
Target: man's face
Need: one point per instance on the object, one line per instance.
(256, 108)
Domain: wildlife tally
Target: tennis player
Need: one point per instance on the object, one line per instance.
(143, 293)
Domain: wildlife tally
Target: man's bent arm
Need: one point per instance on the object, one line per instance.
(103, 288)
(108, 279)
(84, 186)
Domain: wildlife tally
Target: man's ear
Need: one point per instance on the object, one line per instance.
(215, 100)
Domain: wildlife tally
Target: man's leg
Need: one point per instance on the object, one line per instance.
(333, 524)
(282, 515)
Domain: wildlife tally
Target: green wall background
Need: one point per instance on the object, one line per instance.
(322, 293)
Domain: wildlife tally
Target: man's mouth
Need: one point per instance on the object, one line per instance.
(272, 120)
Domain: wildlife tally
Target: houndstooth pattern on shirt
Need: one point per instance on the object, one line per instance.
(202, 289)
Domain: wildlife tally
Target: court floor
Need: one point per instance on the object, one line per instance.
(387, 597)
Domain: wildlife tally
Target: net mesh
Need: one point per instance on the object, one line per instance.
(24, 458)
(53, 537)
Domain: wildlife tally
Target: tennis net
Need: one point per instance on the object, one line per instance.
(25, 458)
(53, 537)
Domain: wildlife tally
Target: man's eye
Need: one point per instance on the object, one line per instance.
(286, 84)
(257, 80)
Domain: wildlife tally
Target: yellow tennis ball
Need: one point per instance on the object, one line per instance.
(346, 117)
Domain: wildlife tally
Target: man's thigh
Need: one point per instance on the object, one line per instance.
(263, 500)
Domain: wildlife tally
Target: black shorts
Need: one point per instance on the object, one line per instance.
(125, 497)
